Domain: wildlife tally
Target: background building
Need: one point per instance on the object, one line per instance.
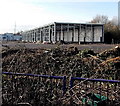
(67, 32)
(119, 14)
(10, 37)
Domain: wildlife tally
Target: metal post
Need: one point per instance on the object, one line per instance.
(102, 33)
(67, 32)
(92, 27)
(49, 33)
(55, 37)
(64, 85)
(52, 35)
(31, 36)
(78, 34)
(74, 33)
(71, 82)
(63, 31)
(59, 36)
(85, 33)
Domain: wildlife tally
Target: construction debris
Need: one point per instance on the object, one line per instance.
(58, 61)
(61, 62)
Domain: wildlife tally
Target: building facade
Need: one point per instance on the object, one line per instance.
(67, 32)
(119, 14)
(10, 37)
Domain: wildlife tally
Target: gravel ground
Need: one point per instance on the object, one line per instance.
(95, 47)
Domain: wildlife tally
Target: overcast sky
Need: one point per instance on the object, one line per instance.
(29, 14)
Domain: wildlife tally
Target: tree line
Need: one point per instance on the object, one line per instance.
(111, 28)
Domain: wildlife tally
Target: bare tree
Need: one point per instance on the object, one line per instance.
(114, 20)
(111, 29)
(100, 19)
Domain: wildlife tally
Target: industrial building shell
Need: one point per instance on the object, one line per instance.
(67, 32)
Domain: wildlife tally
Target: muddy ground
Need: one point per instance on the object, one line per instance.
(95, 47)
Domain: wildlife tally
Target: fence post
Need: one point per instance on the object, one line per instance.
(71, 82)
(64, 85)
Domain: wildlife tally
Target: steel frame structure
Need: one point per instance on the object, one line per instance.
(67, 32)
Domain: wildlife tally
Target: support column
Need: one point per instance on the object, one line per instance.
(32, 36)
(52, 33)
(28, 36)
(55, 37)
(78, 34)
(85, 33)
(41, 33)
(73, 34)
(61, 31)
(49, 34)
(102, 33)
(59, 36)
(92, 33)
(67, 32)
(63, 34)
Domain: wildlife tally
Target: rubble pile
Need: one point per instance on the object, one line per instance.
(59, 62)
(62, 62)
